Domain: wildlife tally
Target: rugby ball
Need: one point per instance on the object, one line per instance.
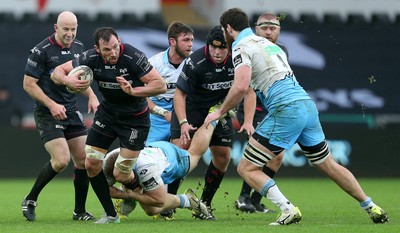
(86, 75)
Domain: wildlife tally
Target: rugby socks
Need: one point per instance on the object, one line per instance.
(246, 189)
(184, 201)
(256, 196)
(213, 179)
(271, 191)
(81, 184)
(174, 186)
(367, 204)
(45, 176)
(100, 187)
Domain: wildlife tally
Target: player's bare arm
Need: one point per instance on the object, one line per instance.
(93, 102)
(180, 111)
(155, 85)
(250, 100)
(31, 87)
(235, 95)
(60, 77)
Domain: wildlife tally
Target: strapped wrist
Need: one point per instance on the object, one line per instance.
(182, 122)
(160, 111)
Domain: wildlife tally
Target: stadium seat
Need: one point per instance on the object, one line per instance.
(153, 19)
(381, 20)
(32, 17)
(333, 19)
(52, 17)
(104, 17)
(308, 18)
(129, 19)
(7, 17)
(83, 17)
(356, 19)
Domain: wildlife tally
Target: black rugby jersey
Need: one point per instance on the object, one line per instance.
(132, 65)
(43, 58)
(205, 82)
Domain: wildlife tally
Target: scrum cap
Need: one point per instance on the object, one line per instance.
(216, 37)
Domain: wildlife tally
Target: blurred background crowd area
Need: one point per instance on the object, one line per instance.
(202, 13)
(345, 53)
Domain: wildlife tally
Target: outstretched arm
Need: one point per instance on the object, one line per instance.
(235, 95)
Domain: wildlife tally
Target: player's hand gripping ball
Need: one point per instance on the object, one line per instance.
(87, 74)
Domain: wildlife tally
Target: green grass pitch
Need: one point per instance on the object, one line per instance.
(324, 206)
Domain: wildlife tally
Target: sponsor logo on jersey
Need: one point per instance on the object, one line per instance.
(220, 69)
(143, 172)
(108, 67)
(237, 60)
(218, 86)
(109, 85)
(54, 58)
(31, 63)
(171, 85)
(65, 52)
(150, 183)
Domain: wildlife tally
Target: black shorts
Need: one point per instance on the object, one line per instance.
(223, 133)
(258, 116)
(50, 128)
(131, 130)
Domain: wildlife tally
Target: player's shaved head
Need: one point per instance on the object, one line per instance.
(67, 17)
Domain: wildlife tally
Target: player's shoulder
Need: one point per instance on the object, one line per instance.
(157, 59)
(197, 57)
(78, 43)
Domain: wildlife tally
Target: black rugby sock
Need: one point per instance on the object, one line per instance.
(81, 184)
(256, 196)
(213, 179)
(246, 189)
(174, 186)
(45, 176)
(100, 187)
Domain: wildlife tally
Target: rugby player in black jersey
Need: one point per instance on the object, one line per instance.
(204, 82)
(125, 78)
(60, 124)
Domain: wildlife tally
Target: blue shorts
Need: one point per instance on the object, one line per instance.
(159, 129)
(293, 122)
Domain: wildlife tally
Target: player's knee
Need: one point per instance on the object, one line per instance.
(151, 210)
(316, 154)
(94, 160)
(124, 165)
(60, 163)
(240, 169)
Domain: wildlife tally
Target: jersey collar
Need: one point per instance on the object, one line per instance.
(244, 33)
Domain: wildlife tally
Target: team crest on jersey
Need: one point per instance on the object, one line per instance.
(36, 50)
(237, 60)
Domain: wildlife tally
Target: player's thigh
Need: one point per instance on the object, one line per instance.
(59, 151)
(77, 150)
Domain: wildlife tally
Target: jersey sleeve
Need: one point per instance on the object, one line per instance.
(35, 65)
(186, 77)
(141, 65)
(241, 56)
(149, 176)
